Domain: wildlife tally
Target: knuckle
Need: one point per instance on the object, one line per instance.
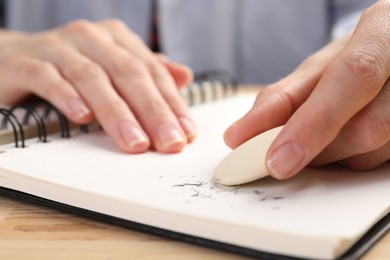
(46, 83)
(369, 132)
(367, 13)
(115, 24)
(118, 26)
(37, 69)
(135, 38)
(83, 30)
(365, 66)
(128, 66)
(49, 39)
(86, 71)
(79, 26)
(282, 99)
(377, 8)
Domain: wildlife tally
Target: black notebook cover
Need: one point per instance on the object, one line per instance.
(355, 252)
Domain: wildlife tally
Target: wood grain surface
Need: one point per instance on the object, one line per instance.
(29, 231)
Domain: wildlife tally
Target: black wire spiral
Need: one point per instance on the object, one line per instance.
(32, 109)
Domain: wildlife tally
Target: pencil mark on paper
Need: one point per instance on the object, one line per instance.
(196, 190)
(219, 188)
(195, 184)
(196, 194)
(257, 192)
(263, 197)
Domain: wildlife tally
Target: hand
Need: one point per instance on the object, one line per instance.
(101, 70)
(335, 105)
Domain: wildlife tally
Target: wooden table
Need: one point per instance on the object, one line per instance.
(29, 231)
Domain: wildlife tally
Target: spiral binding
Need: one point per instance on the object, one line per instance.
(16, 126)
(208, 85)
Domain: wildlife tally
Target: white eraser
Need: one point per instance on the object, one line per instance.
(246, 163)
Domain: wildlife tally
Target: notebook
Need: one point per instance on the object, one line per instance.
(327, 213)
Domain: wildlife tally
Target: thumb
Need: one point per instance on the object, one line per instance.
(276, 103)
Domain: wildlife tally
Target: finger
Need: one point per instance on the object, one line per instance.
(277, 102)
(171, 96)
(366, 132)
(43, 79)
(133, 83)
(368, 161)
(91, 81)
(160, 74)
(182, 74)
(348, 84)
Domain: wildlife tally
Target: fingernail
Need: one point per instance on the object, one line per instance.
(189, 128)
(170, 137)
(78, 108)
(281, 162)
(134, 138)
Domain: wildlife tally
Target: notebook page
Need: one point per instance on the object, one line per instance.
(326, 204)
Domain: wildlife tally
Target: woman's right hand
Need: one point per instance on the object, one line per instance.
(101, 70)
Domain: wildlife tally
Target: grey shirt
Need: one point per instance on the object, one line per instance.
(259, 41)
